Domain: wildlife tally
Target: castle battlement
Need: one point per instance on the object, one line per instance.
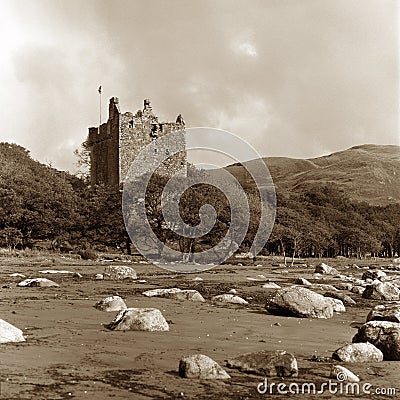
(115, 144)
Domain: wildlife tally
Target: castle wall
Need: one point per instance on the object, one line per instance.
(117, 143)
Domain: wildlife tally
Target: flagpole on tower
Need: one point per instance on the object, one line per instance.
(99, 90)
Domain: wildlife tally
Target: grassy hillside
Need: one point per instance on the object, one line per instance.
(369, 173)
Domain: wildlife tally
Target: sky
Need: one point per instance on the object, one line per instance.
(295, 78)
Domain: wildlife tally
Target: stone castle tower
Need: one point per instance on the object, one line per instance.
(115, 144)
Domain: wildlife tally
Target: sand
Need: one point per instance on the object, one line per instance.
(68, 352)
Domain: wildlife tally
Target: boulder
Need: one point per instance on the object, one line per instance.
(9, 333)
(301, 302)
(341, 296)
(323, 268)
(384, 335)
(229, 298)
(38, 282)
(385, 312)
(112, 303)
(201, 367)
(382, 291)
(175, 293)
(139, 319)
(373, 274)
(358, 352)
(17, 275)
(119, 272)
(266, 363)
(343, 374)
(337, 304)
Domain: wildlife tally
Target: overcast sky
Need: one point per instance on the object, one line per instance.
(297, 78)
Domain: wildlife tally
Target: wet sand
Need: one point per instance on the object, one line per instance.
(69, 354)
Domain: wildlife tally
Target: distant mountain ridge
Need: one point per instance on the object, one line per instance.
(369, 173)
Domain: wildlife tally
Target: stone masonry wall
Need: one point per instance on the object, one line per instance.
(117, 143)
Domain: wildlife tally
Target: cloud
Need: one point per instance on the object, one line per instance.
(292, 78)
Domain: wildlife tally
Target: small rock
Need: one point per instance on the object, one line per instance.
(303, 281)
(197, 278)
(373, 274)
(344, 286)
(175, 293)
(9, 333)
(385, 312)
(341, 296)
(233, 291)
(325, 269)
(358, 289)
(358, 352)
(337, 305)
(270, 285)
(266, 363)
(229, 298)
(343, 374)
(200, 366)
(17, 275)
(38, 282)
(139, 319)
(99, 277)
(112, 303)
(119, 272)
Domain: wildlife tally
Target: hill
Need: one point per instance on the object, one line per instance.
(367, 173)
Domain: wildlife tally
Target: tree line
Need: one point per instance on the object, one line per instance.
(39, 204)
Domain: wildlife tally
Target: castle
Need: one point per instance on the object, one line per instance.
(115, 144)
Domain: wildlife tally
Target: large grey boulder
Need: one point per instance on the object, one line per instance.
(139, 319)
(373, 274)
(301, 302)
(323, 268)
(201, 367)
(266, 363)
(112, 303)
(385, 335)
(175, 293)
(9, 333)
(385, 312)
(358, 352)
(382, 291)
(229, 298)
(119, 272)
(38, 282)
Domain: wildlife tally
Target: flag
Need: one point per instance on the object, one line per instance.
(99, 90)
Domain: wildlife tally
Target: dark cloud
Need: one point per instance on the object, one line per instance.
(294, 78)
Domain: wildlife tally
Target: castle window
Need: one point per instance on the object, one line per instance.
(167, 152)
(155, 151)
(130, 123)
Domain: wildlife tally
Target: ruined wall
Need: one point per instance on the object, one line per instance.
(142, 129)
(117, 143)
(104, 149)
